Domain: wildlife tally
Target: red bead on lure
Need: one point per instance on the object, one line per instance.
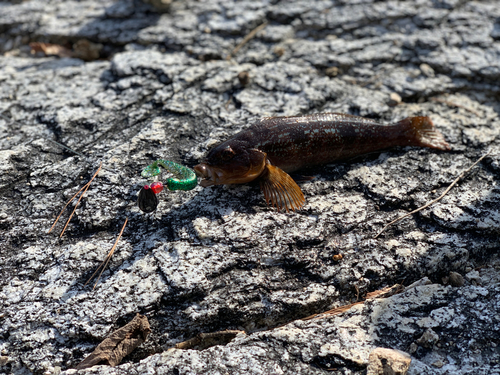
(157, 187)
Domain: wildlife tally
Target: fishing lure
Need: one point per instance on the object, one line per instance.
(184, 179)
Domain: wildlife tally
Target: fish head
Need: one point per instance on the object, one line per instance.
(231, 162)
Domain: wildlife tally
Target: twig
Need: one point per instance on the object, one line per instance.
(381, 293)
(78, 153)
(105, 262)
(84, 188)
(66, 205)
(227, 103)
(453, 104)
(205, 340)
(67, 148)
(9, 121)
(245, 40)
(438, 198)
(47, 138)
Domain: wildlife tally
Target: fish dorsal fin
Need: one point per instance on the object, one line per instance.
(280, 189)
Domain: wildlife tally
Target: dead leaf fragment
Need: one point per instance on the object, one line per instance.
(86, 50)
(50, 49)
(82, 49)
(119, 344)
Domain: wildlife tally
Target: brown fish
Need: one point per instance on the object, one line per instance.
(276, 146)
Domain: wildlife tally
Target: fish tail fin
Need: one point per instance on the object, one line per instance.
(281, 190)
(422, 132)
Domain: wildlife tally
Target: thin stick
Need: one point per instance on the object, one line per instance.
(105, 262)
(79, 199)
(66, 147)
(74, 209)
(86, 187)
(9, 121)
(452, 104)
(77, 153)
(438, 198)
(245, 40)
(47, 138)
(66, 205)
(381, 293)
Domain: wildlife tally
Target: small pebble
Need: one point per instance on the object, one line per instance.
(427, 70)
(413, 348)
(244, 78)
(279, 51)
(394, 100)
(428, 339)
(456, 279)
(438, 363)
(332, 71)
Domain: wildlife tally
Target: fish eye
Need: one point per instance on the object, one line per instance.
(227, 154)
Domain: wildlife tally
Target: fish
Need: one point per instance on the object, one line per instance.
(273, 147)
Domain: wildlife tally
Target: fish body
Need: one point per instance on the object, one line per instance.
(276, 146)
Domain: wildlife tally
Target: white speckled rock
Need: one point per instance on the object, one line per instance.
(218, 258)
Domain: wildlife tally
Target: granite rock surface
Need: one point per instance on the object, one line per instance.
(166, 85)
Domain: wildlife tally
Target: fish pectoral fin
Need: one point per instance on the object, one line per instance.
(280, 189)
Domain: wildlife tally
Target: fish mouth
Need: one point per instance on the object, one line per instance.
(208, 175)
(218, 176)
